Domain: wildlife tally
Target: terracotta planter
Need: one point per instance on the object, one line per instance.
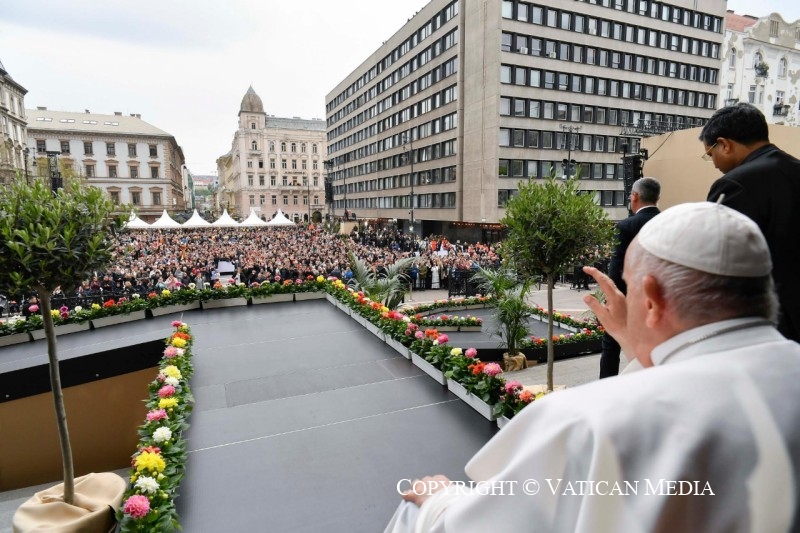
(118, 319)
(429, 369)
(171, 309)
(300, 296)
(483, 408)
(271, 299)
(15, 338)
(225, 302)
(398, 347)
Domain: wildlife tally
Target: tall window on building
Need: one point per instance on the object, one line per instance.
(153, 150)
(285, 199)
(134, 171)
(314, 148)
(757, 59)
(283, 147)
(294, 199)
(89, 171)
(250, 180)
(261, 180)
(274, 199)
(782, 68)
(751, 94)
(114, 197)
(64, 147)
(112, 171)
(41, 146)
(87, 148)
(252, 199)
(154, 173)
(303, 147)
(774, 27)
(254, 145)
(732, 58)
(156, 197)
(136, 198)
(271, 146)
(111, 149)
(132, 150)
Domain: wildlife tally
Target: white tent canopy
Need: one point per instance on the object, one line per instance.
(253, 220)
(165, 222)
(280, 220)
(225, 221)
(135, 222)
(196, 221)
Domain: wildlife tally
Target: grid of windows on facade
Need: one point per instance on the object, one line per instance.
(431, 26)
(445, 200)
(293, 148)
(592, 55)
(616, 88)
(603, 198)
(420, 154)
(558, 140)
(527, 168)
(554, 18)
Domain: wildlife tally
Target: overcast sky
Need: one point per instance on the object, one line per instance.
(185, 64)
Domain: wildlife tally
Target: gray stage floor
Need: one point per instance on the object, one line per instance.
(304, 421)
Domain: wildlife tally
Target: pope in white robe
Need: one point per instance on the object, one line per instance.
(705, 438)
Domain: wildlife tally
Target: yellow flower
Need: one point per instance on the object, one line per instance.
(167, 403)
(55, 313)
(320, 279)
(172, 371)
(384, 309)
(165, 292)
(150, 462)
(178, 342)
(455, 351)
(95, 306)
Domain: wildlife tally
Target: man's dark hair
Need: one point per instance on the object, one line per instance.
(649, 190)
(742, 123)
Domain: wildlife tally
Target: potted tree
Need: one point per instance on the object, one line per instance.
(549, 224)
(50, 239)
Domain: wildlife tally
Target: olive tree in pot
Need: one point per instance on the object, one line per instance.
(47, 240)
(549, 224)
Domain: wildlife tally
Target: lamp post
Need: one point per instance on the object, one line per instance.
(308, 198)
(569, 163)
(27, 152)
(56, 182)
(409, 154)
(344, 184)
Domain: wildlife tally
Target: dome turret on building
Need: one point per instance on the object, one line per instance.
(251, 102)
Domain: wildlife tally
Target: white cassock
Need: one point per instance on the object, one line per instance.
(719, 410)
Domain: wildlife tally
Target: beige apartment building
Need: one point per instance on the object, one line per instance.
(468, 98)
(761, 65)
(13, 157)
(274, 163)
(135, 162)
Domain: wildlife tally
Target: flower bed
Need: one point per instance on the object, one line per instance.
(159, 464)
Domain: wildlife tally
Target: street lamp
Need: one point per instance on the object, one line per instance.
(409, 156)
(56, 182)
(26, 152)
(569, 164)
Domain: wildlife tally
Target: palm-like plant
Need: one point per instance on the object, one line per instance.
(388, 288)
(511, 312)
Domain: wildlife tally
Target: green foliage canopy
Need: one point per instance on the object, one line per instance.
(50, 240)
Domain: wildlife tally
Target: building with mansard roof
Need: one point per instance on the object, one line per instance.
(133, 161)
(12, 127)
(761, 65)
(274, 163)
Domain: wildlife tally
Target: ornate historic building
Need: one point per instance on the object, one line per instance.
(12, 127)
(274, 163)
(761, 65)
(134, 161)
(467, 98)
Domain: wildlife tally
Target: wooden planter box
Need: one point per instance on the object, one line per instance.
(171, 309)
(300, 296)
(118, 319)
(398, 347)
(502, 421)
(483, 408)
(15, 338)
(429, 369)
(271, 299)
(225, 302)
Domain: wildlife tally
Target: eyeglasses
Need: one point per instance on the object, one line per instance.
(707, 155)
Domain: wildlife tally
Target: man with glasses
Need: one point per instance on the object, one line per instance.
(643, 199)
(762, 182)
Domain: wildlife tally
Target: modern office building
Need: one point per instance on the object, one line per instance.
(760, 61)
(274, 163)
(468, 98)
(135, 162)
(13, 157)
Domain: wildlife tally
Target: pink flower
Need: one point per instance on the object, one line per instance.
(408, 332)
(34, 308)
(137, 506)
(443, 339)
(512, 386)
(64, 309)
(64, 315)
(166, 391)
(471, 352)
(156, 414)
(176, 323)
(170, 352)
(492, 369)
(419, 334)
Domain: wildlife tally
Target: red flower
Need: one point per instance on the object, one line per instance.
(109, 303)
(152, 295)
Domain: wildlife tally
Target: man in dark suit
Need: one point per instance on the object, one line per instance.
(762, 182)
(644, 197)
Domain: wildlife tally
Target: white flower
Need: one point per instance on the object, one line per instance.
(78, 308)
(406, 319)
(162, 434)
(436, 342)
(192, 285)
(134, 295)
(180, 351)
(172, 381)
(147, 485)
